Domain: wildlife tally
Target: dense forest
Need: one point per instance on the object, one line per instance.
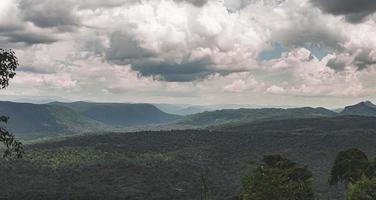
(176, 164)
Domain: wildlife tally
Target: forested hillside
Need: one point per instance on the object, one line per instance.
(169, 164)
(234, 116)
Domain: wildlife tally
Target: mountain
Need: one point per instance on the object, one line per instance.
(27, 119)
(186, 109)
(301, 126)
(32, 99)
(182, 109)
(79, 117)
(365, 108)
(120, 114)
(221, 117)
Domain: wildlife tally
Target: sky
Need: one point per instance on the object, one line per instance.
(254, 52)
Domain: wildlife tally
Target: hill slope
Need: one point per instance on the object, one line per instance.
(121, 114)
(221, 117)
(27, 119)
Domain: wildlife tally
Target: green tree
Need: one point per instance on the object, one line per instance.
(371, 169)
(364, 189)
(8, 65)
(278, 178)
(349, 167)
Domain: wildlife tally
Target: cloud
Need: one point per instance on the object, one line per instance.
(274, 89)
(47, 14)
(358, 49)
(194, 2)
(95, 4)
(187, 44)
(124, 49)
(308, 76)
(15, 32)
(354, 10)
(295, 24)
(48, 81)
(243, 84)
(362, 59)
(175, 72)
(187, 51)
(29, 38)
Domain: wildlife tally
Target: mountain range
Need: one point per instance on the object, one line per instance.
(238, 116)
(79, 117)
(120, 114)
(85, 117)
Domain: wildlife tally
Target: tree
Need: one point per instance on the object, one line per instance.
(278, 178)
(8, 65)
(365, 189)
(349, 167)
(353, 167)
(371, 169)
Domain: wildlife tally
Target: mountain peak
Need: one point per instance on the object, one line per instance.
(364, 108)
(368, 103)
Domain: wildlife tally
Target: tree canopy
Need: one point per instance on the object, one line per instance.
(353, 167)
(8, 65)
(278, 178)
(365, 189)
(349, 167)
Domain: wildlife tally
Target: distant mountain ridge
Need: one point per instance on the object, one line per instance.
(79, 117)
(246, 115)
(181, 109)
(27, 118)
(243, 115)
(82, 117)
(365, 108)
(120, 114)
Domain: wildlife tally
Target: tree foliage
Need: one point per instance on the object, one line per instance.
(8, 65)
(278, 178)
(353, 167)
(365, 189)
(349, 167)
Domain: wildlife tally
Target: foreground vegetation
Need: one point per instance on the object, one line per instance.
(176, 164)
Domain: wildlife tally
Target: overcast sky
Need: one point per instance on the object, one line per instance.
(261, 52)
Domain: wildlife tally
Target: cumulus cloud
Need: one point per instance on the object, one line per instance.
(193, 44)
(195, 50)
(29, 38)
(47, 14)
(241, 85)
(274, 89)
(354, 10)
(309, 76)
(16, 32)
